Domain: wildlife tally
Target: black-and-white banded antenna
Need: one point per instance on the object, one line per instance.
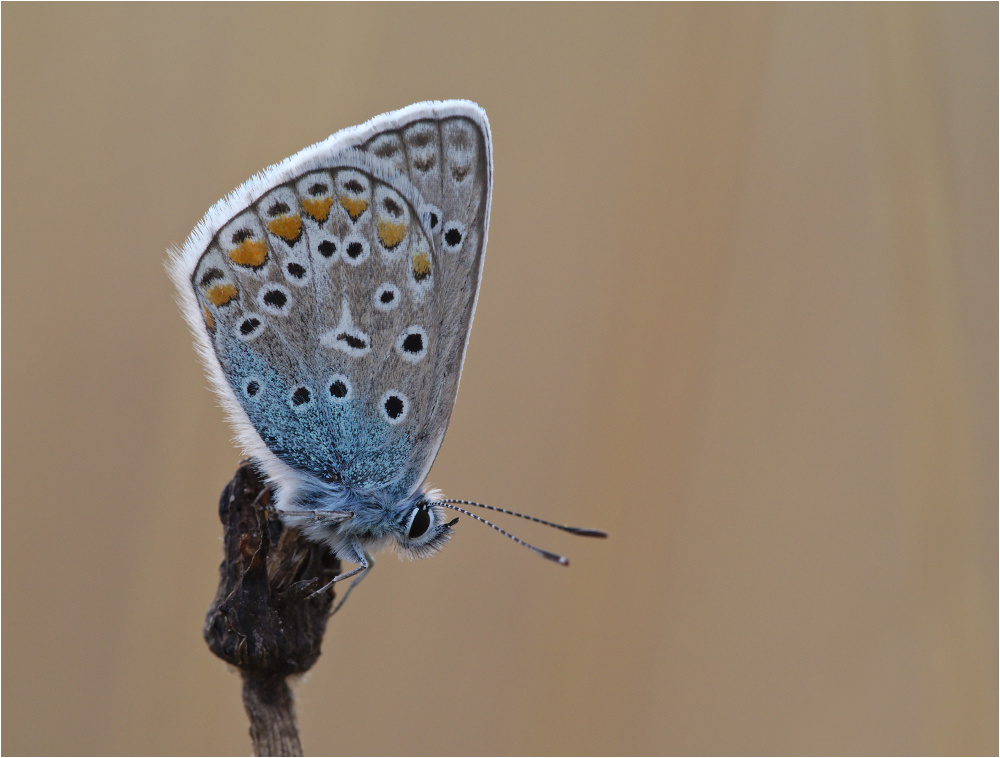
(561, 559)
(578, 530)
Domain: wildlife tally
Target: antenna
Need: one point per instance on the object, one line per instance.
(454, 505)
(582, 532)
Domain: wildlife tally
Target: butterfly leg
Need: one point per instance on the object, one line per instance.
(369, 563)
(360, 555)
(320, 515)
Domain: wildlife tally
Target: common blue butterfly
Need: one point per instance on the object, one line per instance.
(331, 298)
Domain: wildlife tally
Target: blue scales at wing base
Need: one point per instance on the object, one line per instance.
(331, 440)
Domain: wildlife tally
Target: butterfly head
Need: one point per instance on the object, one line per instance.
(423, 529)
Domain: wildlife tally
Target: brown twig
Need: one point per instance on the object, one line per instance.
(262, 619)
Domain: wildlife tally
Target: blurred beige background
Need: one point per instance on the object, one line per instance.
(739, 308)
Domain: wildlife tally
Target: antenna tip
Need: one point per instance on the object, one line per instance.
(587, 532)
(562, 560)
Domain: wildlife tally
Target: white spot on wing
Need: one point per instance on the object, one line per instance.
(386, 297)
(346, 337)
(394, 407)
(412, 344)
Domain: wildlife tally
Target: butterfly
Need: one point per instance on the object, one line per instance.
(331, 298)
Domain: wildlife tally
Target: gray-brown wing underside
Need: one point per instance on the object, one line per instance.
(340, 302)
(449, 163)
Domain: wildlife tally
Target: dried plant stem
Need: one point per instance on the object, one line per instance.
(262, 619)
(269, 706)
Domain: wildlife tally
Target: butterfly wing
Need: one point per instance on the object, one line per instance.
(447, 155)
(333, 295)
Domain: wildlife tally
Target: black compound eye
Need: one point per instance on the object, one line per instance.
(420, 523)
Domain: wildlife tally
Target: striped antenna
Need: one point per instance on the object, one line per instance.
(571, 529)
(560, 559)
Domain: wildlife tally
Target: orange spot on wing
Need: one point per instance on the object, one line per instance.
(390, 232)
(221, 294)
(354, 206)
(249, 252)
(209, 318)
(421, 266)
(318, 208)
(287, 227)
